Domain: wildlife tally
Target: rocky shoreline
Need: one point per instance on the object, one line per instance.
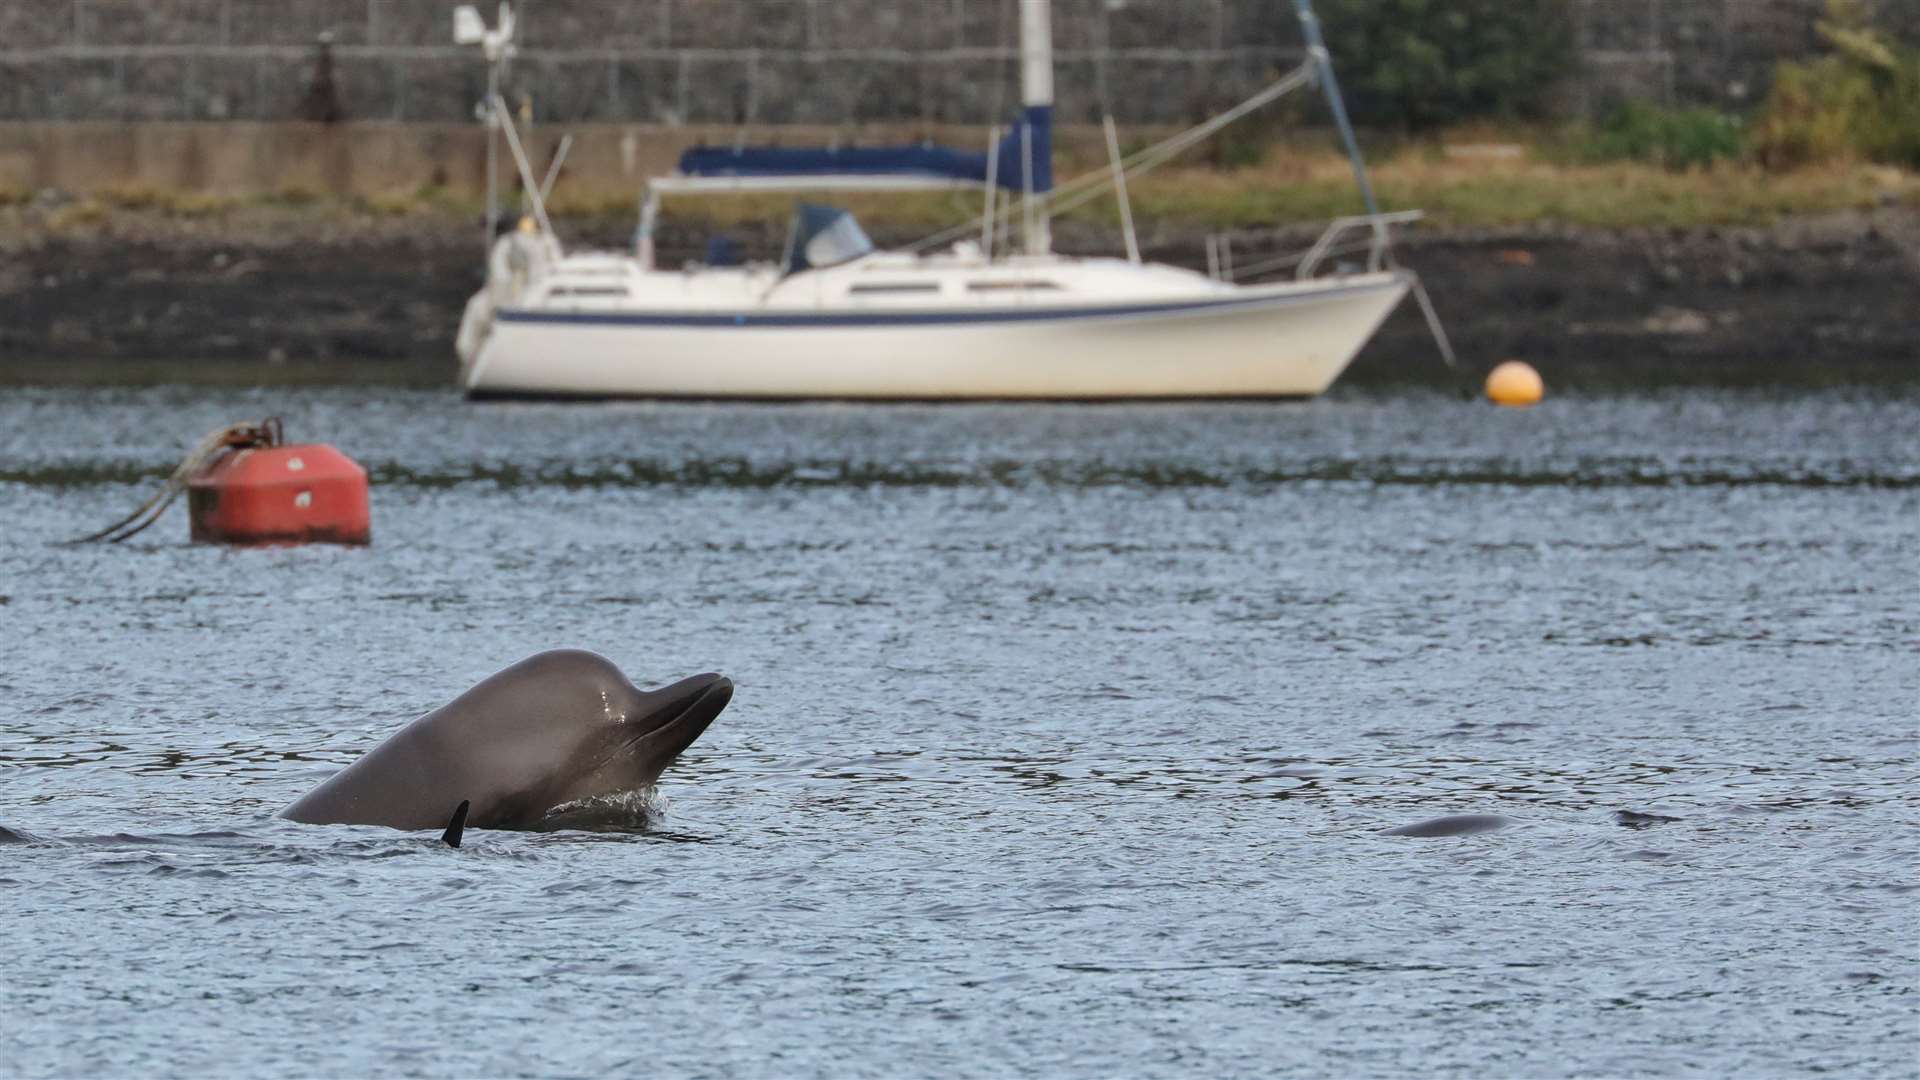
(291, 295)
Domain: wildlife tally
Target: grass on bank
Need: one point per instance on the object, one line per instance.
(1537, 186)
(1477, 193)
(1289, 187)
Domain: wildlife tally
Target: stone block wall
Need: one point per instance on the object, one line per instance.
(786, 61)
(1699, 52)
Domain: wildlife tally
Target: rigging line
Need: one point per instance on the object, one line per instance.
(1159, 153)
(1090, 186)
(520, 162)
(1084, 188)
(1172, 146)
(1433, 325)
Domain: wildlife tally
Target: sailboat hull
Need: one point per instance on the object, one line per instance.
(1288, 340)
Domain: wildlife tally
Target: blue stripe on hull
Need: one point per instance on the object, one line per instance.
(922, 318)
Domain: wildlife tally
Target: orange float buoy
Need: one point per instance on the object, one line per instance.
(274, 494)
(1515, 383)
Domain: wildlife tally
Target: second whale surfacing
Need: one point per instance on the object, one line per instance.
(554, 729)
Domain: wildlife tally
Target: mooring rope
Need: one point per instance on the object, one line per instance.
(233, 436)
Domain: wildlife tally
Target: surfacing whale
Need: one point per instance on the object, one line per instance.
(554, 729)
(1453, 825)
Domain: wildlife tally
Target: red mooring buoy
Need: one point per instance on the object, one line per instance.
(275, 494)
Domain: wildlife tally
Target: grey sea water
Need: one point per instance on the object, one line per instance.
(1064, 742)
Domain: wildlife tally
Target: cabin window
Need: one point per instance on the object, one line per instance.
(879, 288)
(1012, 286)
(586, 290)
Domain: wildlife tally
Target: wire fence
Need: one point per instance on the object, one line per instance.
(791, 61)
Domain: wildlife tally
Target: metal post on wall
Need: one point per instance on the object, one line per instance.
(493, 156)
(496, 44)
(987, 225)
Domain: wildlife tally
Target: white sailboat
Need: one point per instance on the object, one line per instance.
(952, 318)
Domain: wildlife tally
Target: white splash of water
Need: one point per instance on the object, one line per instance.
(620, 811)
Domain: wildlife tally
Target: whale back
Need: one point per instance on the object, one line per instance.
(1453, 825)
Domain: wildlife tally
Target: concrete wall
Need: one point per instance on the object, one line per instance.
(783, 61)
(1699, 52)
(250, 157)
(652, 61)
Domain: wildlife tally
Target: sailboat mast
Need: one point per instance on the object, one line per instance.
(1036, 94)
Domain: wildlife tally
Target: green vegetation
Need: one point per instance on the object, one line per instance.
(184, 204)
(1671, 138)
(1421, 65)
(1861, 101)
(1415, 65)
(1528, 190)
(1541, 184)
(425, 199)
(1443, 87)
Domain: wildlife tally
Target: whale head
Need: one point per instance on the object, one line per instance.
(559, 728)
(639, 734)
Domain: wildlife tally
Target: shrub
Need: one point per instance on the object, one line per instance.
(1890, 133)
(1675, 138)
(1419, 64)
(82, 214)
(1862, 100)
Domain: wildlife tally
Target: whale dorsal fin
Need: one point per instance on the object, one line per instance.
(458, 825)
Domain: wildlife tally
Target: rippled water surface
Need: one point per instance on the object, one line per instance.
(1064, 742)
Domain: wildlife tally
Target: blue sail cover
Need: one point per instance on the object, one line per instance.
(1036, 125)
